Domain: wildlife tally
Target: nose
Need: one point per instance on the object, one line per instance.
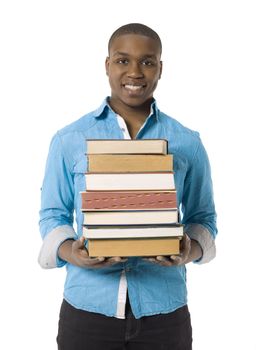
(135, 71)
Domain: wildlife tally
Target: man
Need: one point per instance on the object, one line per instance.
(134, 303)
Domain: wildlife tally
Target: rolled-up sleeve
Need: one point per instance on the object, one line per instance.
(57, 205)
(199, 215)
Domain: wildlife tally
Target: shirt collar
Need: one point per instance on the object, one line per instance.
(154, 111)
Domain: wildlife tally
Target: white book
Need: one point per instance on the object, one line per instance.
(100, 232)
(120, 146)
(130, 181)
(130, 217)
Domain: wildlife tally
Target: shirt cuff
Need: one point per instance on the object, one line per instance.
(48, 257)
(207, 243)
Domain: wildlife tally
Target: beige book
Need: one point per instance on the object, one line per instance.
(133, 231)
(130, 163)
(133, 247)
(120, 146)
(129, 181)
(134, 217)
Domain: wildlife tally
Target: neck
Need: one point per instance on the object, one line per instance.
(132, 115)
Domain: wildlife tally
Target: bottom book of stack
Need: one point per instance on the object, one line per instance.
(129, 240)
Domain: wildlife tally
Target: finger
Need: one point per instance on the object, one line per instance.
(115, 260)
(151, 259)
(159, 260)
(164, 261)
(104, 262)
(90, 261)
(118, 259)
(162, 258)
(186, 243)
(176, 259)
(83, 253)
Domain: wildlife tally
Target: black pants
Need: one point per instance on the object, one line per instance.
(82, 330)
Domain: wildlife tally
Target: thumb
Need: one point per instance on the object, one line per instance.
(80, 243)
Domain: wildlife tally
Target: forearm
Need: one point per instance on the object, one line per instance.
(204, 238)
(52, 241)
(65, 251)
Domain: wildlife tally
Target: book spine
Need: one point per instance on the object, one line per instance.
(133, 247)
(128, 200)
(121, 146)
(116, 163)
(130, 181)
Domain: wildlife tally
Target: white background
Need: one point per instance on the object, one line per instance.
(52, 72)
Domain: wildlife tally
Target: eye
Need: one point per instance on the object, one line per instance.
(122, 61)
(147, 63)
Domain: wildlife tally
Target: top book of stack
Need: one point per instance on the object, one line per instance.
(145, 146)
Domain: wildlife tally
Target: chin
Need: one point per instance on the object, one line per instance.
(135, 102)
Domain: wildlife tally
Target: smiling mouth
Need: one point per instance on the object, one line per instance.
(134, 88)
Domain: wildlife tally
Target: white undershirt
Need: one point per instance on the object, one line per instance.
(122, 290)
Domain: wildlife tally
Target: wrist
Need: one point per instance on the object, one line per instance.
(195, 251)
(65, 250)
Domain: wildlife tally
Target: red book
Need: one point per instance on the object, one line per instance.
(128, 200)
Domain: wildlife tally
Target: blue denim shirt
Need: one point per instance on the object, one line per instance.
(152, 288)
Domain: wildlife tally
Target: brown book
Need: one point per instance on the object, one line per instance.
(133, 247)
(129, 163)
(129, 181)
(128, 200)
(120, 146)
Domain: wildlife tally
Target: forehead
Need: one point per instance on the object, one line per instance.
(135, 44)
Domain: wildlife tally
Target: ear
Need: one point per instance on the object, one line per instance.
(107, 65)
(161, 68)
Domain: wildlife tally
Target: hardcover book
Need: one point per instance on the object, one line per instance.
(127, 217)
(118, 146)
(132, 231)
(128, 200)
(103, 163)
(133, 247)
(130, 181)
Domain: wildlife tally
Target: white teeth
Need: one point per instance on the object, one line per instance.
(133, 87)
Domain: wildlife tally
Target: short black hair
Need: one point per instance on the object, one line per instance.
(135, 28)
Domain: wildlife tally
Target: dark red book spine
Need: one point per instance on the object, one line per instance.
(106, 200)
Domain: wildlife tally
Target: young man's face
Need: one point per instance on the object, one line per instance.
(133, 68)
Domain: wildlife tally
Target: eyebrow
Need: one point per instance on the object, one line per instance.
(119, 53)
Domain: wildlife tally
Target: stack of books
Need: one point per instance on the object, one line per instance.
(130, 203)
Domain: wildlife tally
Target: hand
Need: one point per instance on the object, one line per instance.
(76, 253)
(175, 260)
